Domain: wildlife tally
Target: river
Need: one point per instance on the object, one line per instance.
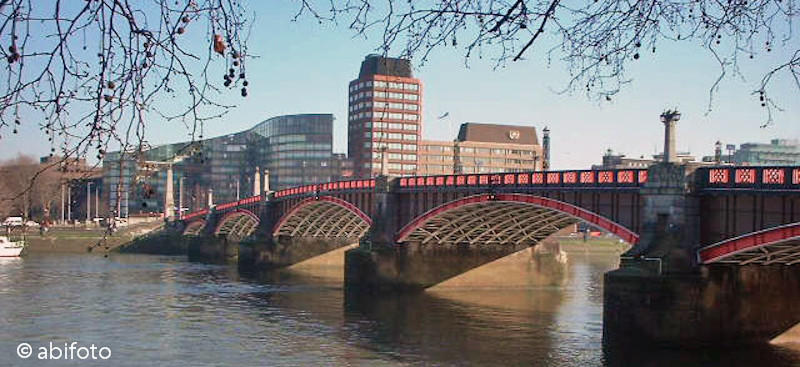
(166, 311)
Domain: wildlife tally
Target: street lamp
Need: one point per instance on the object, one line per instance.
(180, 197)
(88, 201)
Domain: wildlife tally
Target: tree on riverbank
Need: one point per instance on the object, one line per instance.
(28, 188)
(596, 41)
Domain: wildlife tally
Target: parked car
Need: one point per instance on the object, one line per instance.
(13, 222)
(31, 223)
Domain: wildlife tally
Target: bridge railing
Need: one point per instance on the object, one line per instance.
(578, 178)
(327, 187)
(199, 213)
(582, 178)
(739, 177)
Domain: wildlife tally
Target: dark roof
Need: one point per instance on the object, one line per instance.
(493, 133)
(379, 65)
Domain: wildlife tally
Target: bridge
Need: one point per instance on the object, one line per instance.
(716, 234)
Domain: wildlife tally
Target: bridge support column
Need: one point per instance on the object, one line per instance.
(719, 305)
(669, 223)
(413, 266)
(278, 252)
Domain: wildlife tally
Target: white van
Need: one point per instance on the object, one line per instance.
(13, 221)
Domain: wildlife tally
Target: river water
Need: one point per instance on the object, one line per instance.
(165, 311)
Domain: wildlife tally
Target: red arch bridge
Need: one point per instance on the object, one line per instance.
(724, 234)
(737, 215)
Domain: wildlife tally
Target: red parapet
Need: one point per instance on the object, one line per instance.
(744, 176)
(440, 181)
(472, 180)
(643, 176)
(553, 178)
(587, 177)
(449, 180)
(796, 176)
(625, 177)
(773, 176)
(483, 179)
(509, 179)
(605, 177)
(570, 177)
(523, 179)
(718, 176)
(537, 178)
(461, 180)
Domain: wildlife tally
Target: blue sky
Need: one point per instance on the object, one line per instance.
(305, 67)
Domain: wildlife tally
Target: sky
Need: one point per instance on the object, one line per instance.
(305, 67)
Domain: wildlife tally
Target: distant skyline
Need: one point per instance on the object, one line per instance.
(305, 67)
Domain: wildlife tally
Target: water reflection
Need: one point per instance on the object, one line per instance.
(165, 311)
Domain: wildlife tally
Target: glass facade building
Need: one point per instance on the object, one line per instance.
(295, 149)
(779, 152)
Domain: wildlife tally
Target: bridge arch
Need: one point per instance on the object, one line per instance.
(194, 228)
(323, 216)
(502, 218)
(776, 245)
(237, 224)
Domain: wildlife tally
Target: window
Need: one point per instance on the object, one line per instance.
(410, 97)
(410, 127)
(412, 147)
(410, 107)
(409, 137)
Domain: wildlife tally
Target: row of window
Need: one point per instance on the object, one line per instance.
(384, 106)
(478, 151)
(288, 138)
(392, 146)
(392, 136)
(393, 166)
(385, 125)
(385, 115)
(378, 94)
(395, 156)
(301, 154)
(383, 84)
(300, 146)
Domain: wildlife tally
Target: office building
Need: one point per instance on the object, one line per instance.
(384, 115)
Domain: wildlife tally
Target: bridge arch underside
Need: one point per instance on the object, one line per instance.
(777, 245)
(502, 219)
(237, 225)
(473, 231)
(323, 218)
(194, 228)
